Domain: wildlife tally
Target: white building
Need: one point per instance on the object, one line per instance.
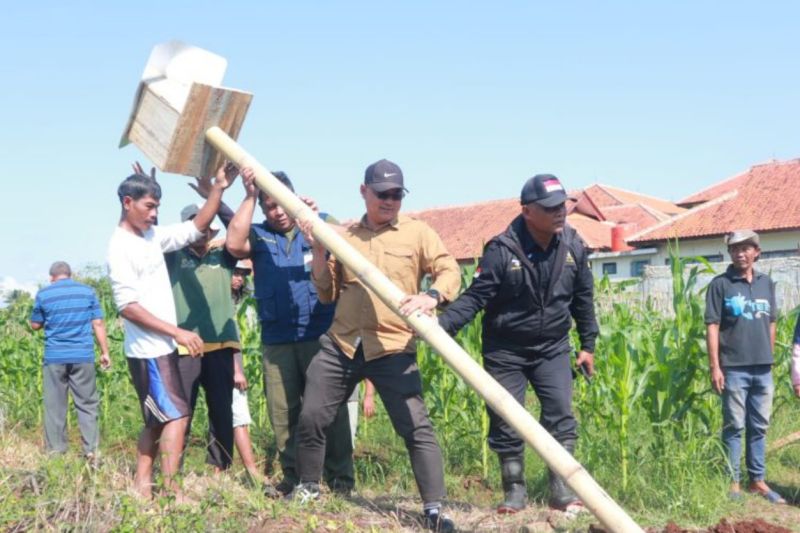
(765, 198)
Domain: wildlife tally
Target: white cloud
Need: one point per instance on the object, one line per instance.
(8, 283)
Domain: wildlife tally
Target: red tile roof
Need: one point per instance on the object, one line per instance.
(635, 216)
(765, 198)
(585, 205)
(465, 229)
(715, 191)
(607, 196)
(596, 234)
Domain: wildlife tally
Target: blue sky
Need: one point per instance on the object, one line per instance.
(468, 98)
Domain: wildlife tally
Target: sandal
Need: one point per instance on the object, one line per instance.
(771, 496)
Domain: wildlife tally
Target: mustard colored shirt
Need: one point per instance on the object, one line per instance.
(405, 251)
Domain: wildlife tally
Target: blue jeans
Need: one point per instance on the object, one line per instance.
(747, 405)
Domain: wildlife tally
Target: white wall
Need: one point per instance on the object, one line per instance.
(623, 265)
(774, 241)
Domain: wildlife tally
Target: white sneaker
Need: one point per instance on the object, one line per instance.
(304, 493)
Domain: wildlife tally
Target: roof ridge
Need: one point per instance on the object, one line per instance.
(604, 188)
(724, 198)
(643, 195)
(582, 195)
(717, 184)
(774, 161)
(660, 215)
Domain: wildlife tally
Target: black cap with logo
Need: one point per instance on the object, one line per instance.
(383, 176)
(544, 189)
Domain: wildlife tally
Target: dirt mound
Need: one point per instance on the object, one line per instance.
(747, 526)
(744, 526)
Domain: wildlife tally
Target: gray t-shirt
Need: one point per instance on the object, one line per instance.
(744, 312)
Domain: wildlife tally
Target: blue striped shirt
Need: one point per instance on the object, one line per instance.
(67, 308)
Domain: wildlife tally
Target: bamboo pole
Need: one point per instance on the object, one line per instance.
(501, 401)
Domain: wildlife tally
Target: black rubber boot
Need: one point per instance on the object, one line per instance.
(561, 496)
(515, 494)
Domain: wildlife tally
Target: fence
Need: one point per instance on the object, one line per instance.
(655, 286)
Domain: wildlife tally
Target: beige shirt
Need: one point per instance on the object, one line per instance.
(405, 251)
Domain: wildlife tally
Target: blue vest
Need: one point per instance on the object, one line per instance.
(288, 306)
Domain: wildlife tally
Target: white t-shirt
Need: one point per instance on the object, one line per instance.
(138, 274)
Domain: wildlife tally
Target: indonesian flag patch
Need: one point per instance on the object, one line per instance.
(553, 185)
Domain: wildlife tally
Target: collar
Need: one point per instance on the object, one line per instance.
(527, 241)
(288, 233)
(731, 273)
(392, 223)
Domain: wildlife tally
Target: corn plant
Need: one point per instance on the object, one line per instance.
(454, 407)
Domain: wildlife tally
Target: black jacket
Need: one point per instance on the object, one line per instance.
(520, 313)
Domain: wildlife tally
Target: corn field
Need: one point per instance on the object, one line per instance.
(648, 413)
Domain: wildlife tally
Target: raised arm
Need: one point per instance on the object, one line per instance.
(225, 176)
(237, 240)
(203, 188)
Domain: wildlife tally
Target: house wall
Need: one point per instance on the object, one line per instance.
(623, 265)
(770, 242)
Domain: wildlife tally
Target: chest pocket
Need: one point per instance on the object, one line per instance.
(566, 280)
(513, 283)
(399, 263)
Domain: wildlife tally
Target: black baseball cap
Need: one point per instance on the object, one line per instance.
(544, 189)
(383, 176)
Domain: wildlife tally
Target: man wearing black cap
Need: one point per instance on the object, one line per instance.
(532, 280)
(367, 340)
(740, 333)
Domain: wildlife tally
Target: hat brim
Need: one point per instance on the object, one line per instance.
(384, 186)
(552, 200)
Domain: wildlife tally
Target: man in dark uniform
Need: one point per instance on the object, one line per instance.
(532, 281)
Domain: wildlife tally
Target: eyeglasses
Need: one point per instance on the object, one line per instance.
(391, 195)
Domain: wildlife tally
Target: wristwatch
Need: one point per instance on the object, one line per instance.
(433, 293)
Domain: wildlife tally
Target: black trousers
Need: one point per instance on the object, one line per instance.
(551, 379)
(214, 371)
(330, 380)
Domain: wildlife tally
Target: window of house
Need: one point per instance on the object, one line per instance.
(714, 258)
(637, 267)
(779, 253)
(609, 268)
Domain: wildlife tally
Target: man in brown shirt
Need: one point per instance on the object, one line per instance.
(368, 340)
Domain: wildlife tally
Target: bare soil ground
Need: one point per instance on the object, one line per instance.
(98, 500)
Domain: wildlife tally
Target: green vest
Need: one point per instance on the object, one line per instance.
(201, 287)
